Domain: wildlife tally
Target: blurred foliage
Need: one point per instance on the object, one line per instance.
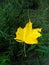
(14, 13)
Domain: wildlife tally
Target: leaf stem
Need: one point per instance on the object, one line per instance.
(25, 49)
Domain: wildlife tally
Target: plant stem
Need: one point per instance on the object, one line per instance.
(25, 49)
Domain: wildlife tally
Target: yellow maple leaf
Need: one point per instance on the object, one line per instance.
(28, 34)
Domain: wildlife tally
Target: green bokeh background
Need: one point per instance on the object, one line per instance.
(14, 13)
